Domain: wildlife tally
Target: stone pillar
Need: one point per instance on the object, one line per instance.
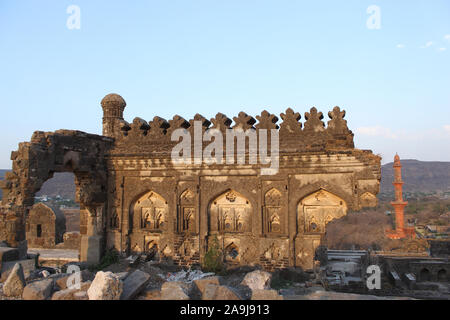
(91, 246)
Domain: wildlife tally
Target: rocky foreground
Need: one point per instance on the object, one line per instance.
(158, 281)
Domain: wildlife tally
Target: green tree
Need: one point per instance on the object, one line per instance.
(213, 259)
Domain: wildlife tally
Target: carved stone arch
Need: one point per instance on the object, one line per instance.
(149, 212)
(273, 213)
(230, 212)
(319, 208)
(187, 213)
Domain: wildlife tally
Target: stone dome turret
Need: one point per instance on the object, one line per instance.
(113, 100)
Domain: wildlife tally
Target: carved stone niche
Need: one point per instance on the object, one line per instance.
(187, 212)
(150, 213)
(318, 209)
(273, 214)
(230, 212)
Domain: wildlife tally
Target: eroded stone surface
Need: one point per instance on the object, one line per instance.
(38, 290)
(15, 283)
(106, 286)
(175, 290)
(257, 280)
(127, 178)
(74, 293)
(134, 284)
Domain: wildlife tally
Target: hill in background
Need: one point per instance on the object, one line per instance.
(419, 177)
(62, 184)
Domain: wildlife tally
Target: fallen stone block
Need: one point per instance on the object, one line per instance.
(215, 292)
(174, 290)
(202, 283)
(15, 283)
(134, 284)
(28, 265)
(73, 294)
(150, 294)
(106, 286)
(38, 290)
(257, 280)
(266, 295)
(69, 280)
(8, 254)
(122, 275)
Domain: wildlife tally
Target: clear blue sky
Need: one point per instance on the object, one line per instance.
(183, 57)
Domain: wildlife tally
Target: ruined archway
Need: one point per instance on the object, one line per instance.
(36, 161)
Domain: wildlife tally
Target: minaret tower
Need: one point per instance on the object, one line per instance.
(399, 204)
(113, 106)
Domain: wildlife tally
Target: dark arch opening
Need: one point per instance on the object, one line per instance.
(442, 275)
(425, 275)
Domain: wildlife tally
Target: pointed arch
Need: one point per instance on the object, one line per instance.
(230, 212)
(273, 214)
(187, 213)
(150, 212)
(318, 208)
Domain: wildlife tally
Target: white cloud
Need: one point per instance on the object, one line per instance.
(428, 44)
(447, 37)
(377, 131)
(442, 49)
(447, 128)
(400, 46)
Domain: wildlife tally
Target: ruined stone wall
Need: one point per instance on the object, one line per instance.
(134, 198)
(271, 220)
(41, 227)
(36, 161)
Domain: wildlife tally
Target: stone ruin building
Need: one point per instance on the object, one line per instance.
(45, 229)
(135, 199)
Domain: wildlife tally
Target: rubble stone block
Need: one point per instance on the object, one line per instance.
(15, 283)
(106, 286)
(38, 290)
(257, 280)
(28, 266)
(202, 283)
(217, 292)
(175, 291)
(73, 294)
(134, 284)
(266, 295)
(8, 254)
(71, 279)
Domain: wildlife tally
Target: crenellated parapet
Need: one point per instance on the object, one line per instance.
(294, 135)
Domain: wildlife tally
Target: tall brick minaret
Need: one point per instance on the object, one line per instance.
(399, 205)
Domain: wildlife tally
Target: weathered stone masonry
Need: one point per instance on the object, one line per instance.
(135, 199)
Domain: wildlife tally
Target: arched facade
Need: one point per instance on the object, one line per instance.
(135, 199)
